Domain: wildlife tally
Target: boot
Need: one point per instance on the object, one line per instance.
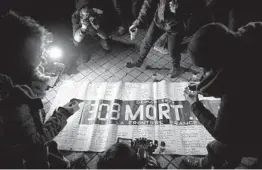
(104, 44)
(137, 63)
(175, 71)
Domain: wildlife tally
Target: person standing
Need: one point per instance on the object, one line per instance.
(169, 17)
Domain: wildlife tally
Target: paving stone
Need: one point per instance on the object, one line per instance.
(87, 71)
(106, 75)
(187, 75)
(92, 76)
(128, 59)
(171, 166)
(127, 78)
(78, 77)
(95, 66)
(102, 61)
(113, 79)
(120, 74)
(188, 60)
(180, 79)
(92, 164)
(149, 72)
(81, 67)
(114, 70)
(162, 161)
(176, 161)
(162, 62)
(89, 64)
(196, 69)
(168, 157)
(99, 79)
(135, 73)
(185, 65)
(100, 71)
(135, 81)
(155, 58)
(114, 61)
(127, 70)
(107, 66)
(120, 65)
(143, 77)
(121, 56)
(149, 62)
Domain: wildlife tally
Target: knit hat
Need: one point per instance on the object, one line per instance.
(209, 45)
(81, 3)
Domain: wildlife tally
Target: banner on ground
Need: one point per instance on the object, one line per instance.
(156, 111)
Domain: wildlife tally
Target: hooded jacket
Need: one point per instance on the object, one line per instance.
(238, 120)
(23, 135)
(76, 18)
(164, 18)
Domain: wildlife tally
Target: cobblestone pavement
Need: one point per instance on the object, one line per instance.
(100, 66)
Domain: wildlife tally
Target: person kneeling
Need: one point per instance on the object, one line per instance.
(86, 20)
(229, 57)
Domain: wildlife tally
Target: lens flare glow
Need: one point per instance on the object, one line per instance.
(55, 52)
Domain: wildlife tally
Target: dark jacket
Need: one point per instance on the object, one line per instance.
(238, 122)
(238, 12)
(164, 18)
(23, 136)
(76, 18)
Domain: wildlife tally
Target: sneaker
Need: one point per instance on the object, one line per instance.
(191, 162)
(104, 44)
(175, 71)
(121, 31)
(137, 63)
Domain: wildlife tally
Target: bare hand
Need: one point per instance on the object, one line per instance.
(84, 24)
(72, 106)
(172, 6)
(152, 162)
(132, 31)
(98, 11)
(191, 96)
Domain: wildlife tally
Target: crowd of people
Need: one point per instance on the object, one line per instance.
(228, 51)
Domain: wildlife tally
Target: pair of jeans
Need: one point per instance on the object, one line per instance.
(119, 12)
(136, 6)
(174, 43)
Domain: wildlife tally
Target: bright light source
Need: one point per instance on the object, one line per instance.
(55, 52)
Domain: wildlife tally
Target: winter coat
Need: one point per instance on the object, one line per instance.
(76, 20)
(23, 135)
(164, 18)
(238, 122)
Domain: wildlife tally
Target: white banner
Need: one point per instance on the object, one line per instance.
(156, 111)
